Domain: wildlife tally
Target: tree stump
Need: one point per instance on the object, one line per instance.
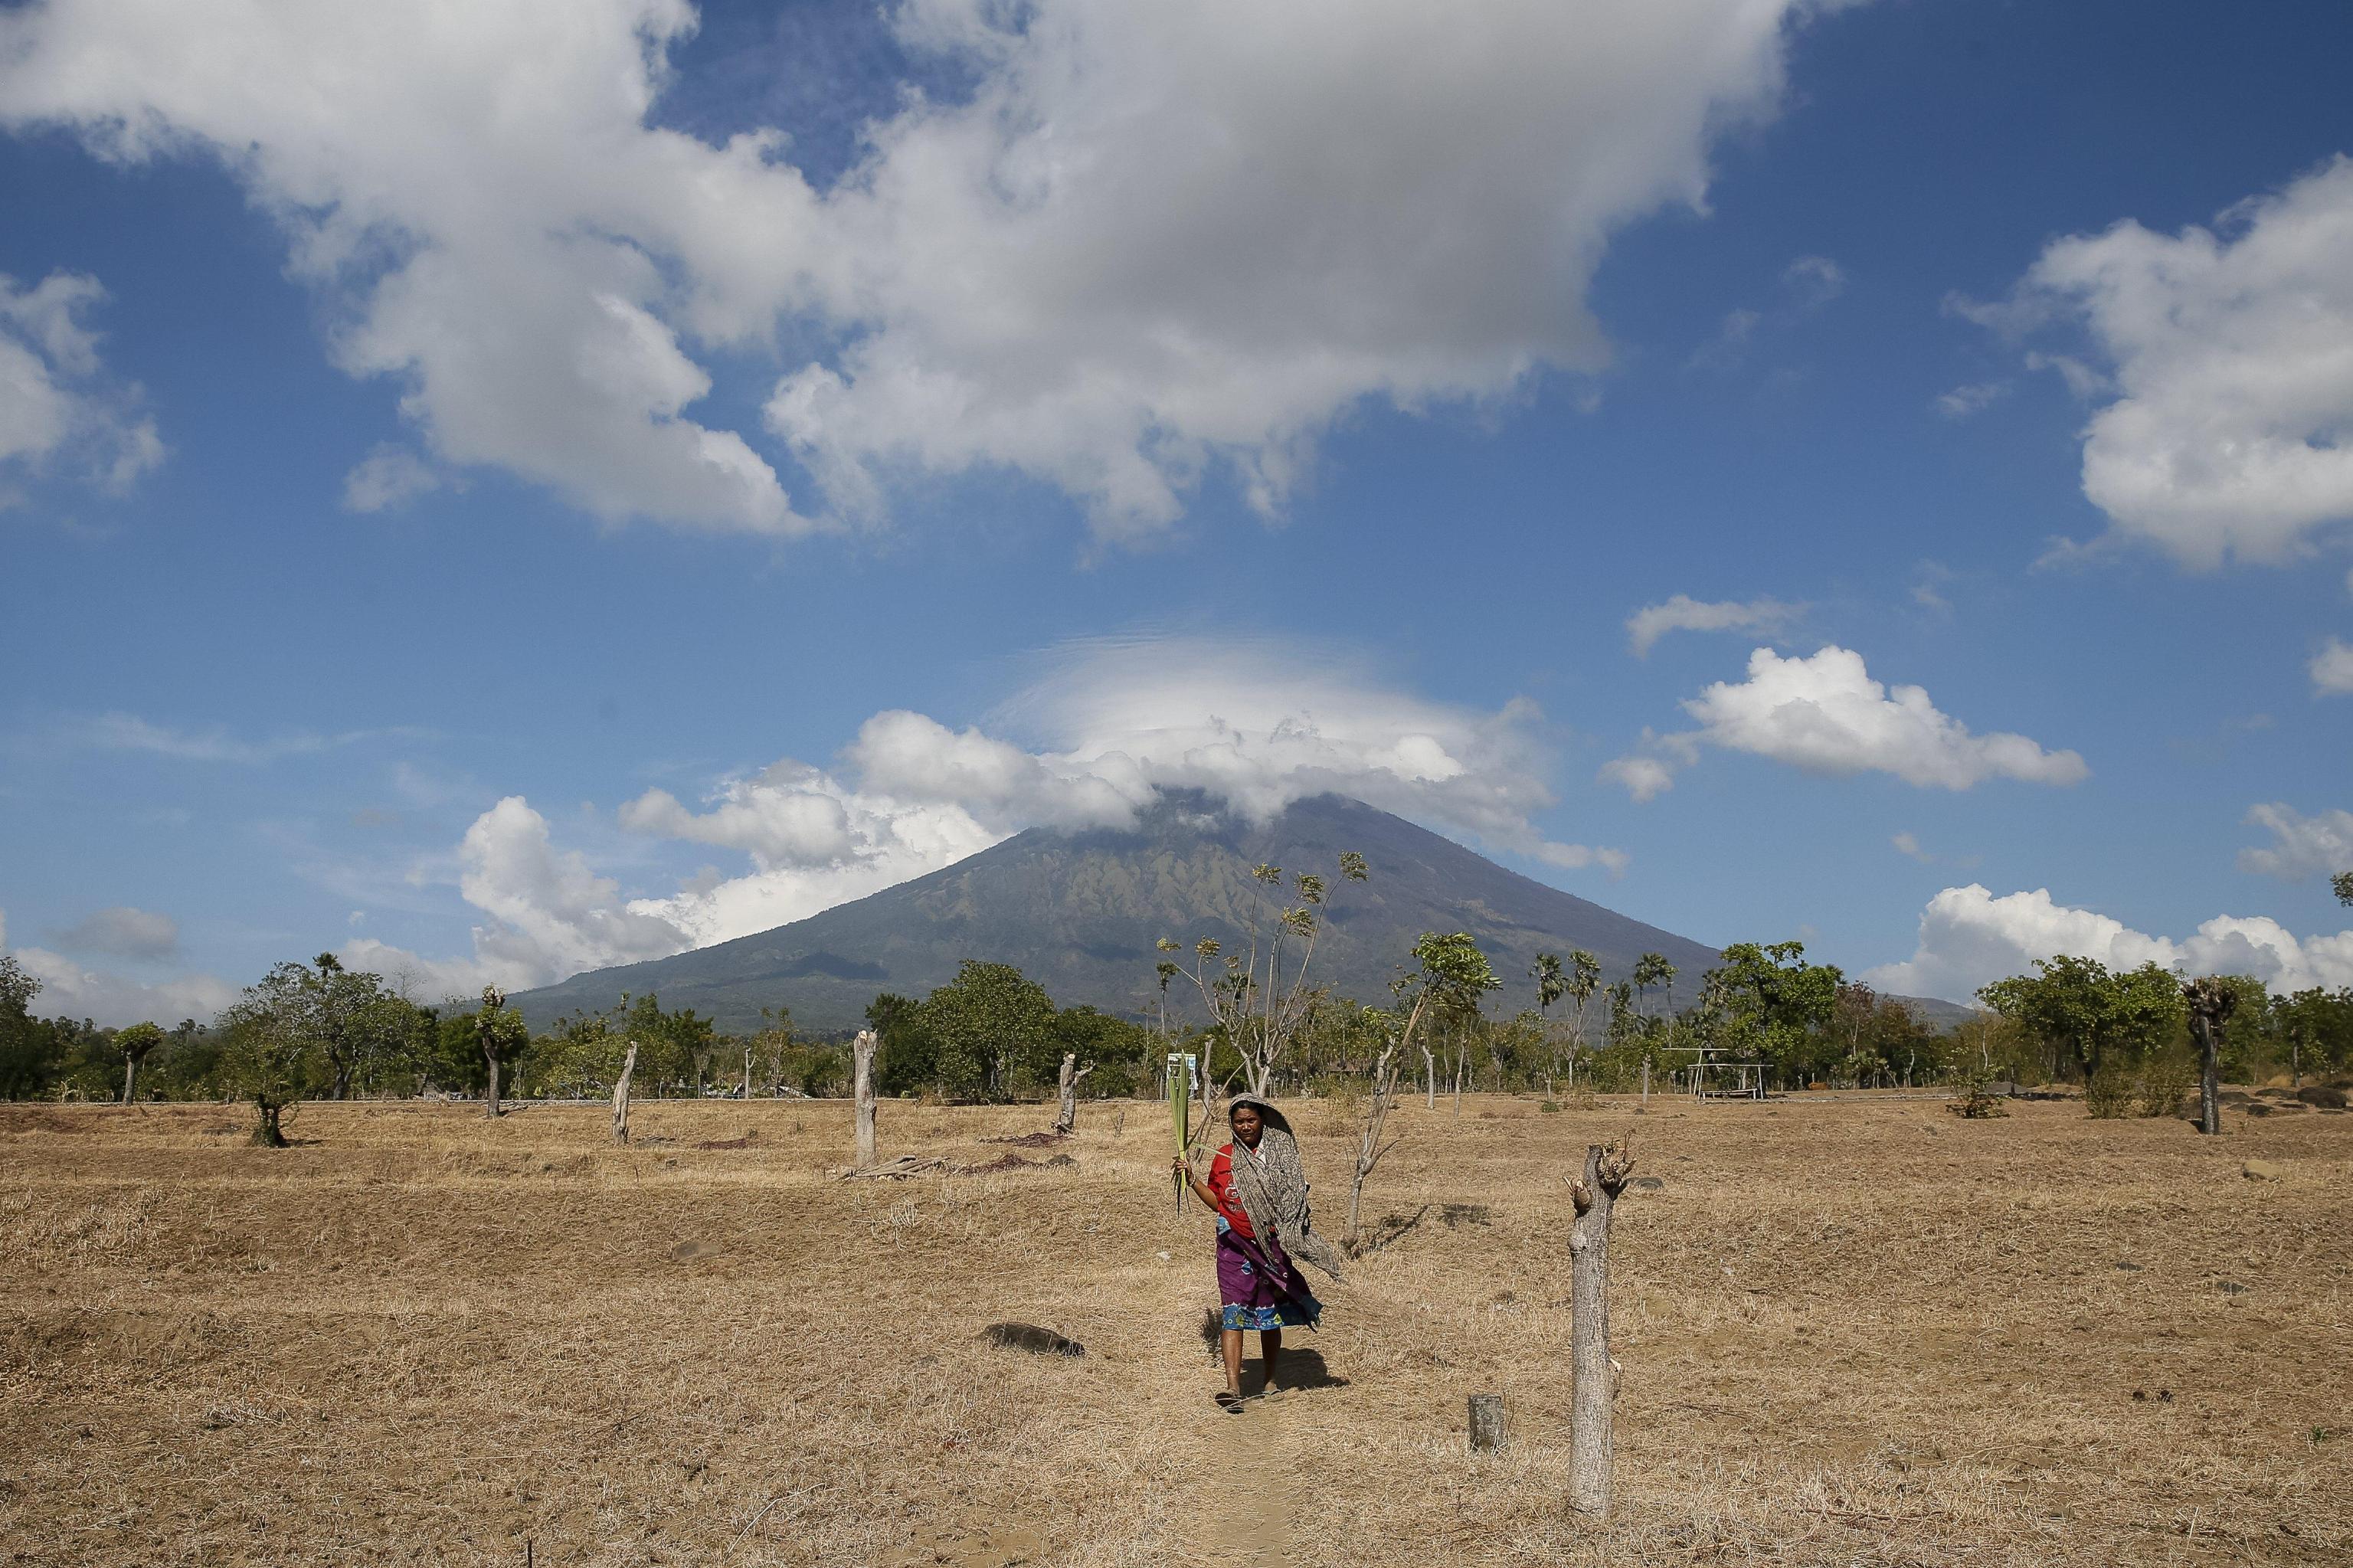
(861, 1056)
(621, 1096)
(1486, 1423)
(1067, 1121)
(1591, 1444)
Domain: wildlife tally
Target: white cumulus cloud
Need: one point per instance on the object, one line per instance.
(2229, 356)
(1969, 938)
(2332, 670)
(2301, 846)
(1826, 714)
(1684, 613)
(1150, 241)
(56, 405)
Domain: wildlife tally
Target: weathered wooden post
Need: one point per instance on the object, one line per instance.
(1486, 1423)
(2210, 1003)
(1646, 1080)
(1071, 1074)
(861, 1056)
(1592, 1447)
(621, 1094)
(747, 1074)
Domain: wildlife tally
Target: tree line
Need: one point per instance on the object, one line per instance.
(1249, 1010)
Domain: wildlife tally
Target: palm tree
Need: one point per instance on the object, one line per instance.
(1551, 986)
(1583, 979)
(1653, 969)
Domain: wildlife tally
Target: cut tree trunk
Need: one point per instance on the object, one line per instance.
(2211, 1005)
(621, 1094)
(490, 1105)
(130, 1079)
(747, 1074)
(1067, 1121)
(1591, 1444)
(862, 1057)
(1486, 1423)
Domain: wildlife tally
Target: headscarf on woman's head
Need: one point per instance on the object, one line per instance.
(1273, 1189)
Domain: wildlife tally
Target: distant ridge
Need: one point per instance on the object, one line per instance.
(1080, 913)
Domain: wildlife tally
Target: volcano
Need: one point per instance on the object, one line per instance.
(1080, 913)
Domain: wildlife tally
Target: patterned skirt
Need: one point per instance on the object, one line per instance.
(1259, 1286)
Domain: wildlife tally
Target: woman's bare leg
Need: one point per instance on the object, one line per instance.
(1269, 1345)
(1231, 1341)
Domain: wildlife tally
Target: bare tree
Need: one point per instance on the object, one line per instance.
(1260, 996)
(1591, 1444)
(621, 1094)
(862, 1085)
(2211, 1005)
(1369, 1148)
(1072, 1072)
(1450, 971)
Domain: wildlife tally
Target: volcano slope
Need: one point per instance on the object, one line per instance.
(1080, 913)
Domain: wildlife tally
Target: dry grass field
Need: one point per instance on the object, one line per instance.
(1853, 1332)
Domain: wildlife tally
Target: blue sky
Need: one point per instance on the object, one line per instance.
(475, 517)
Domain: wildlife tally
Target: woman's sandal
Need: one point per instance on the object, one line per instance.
(1230, 1401)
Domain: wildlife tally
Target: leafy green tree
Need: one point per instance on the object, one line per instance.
(270, 1053)
(342, 1009)
(2088, 1018)
(1769, 1004)
(908, 1060)
(2314, 1028)
(1118, 1050)
(990, 1027)
(27, 1053)
(2342, 885)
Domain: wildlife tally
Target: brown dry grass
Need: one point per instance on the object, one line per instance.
(1853, 1332)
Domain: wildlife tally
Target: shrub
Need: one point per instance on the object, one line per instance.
(2164, 1082)
(2110, 1092)
(1978, 1102)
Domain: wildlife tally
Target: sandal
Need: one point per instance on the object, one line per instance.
(1230, 1401)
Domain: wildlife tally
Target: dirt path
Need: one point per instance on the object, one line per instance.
(1254, 1528)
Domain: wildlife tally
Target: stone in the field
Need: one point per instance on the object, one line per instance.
(2262, 1170)
(1028, 1337)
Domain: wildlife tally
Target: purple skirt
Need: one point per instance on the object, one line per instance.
(1259, 1286)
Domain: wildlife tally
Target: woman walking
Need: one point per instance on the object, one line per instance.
(1258, 1189)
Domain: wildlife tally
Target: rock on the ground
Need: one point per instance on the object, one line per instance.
(1028, 1337)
